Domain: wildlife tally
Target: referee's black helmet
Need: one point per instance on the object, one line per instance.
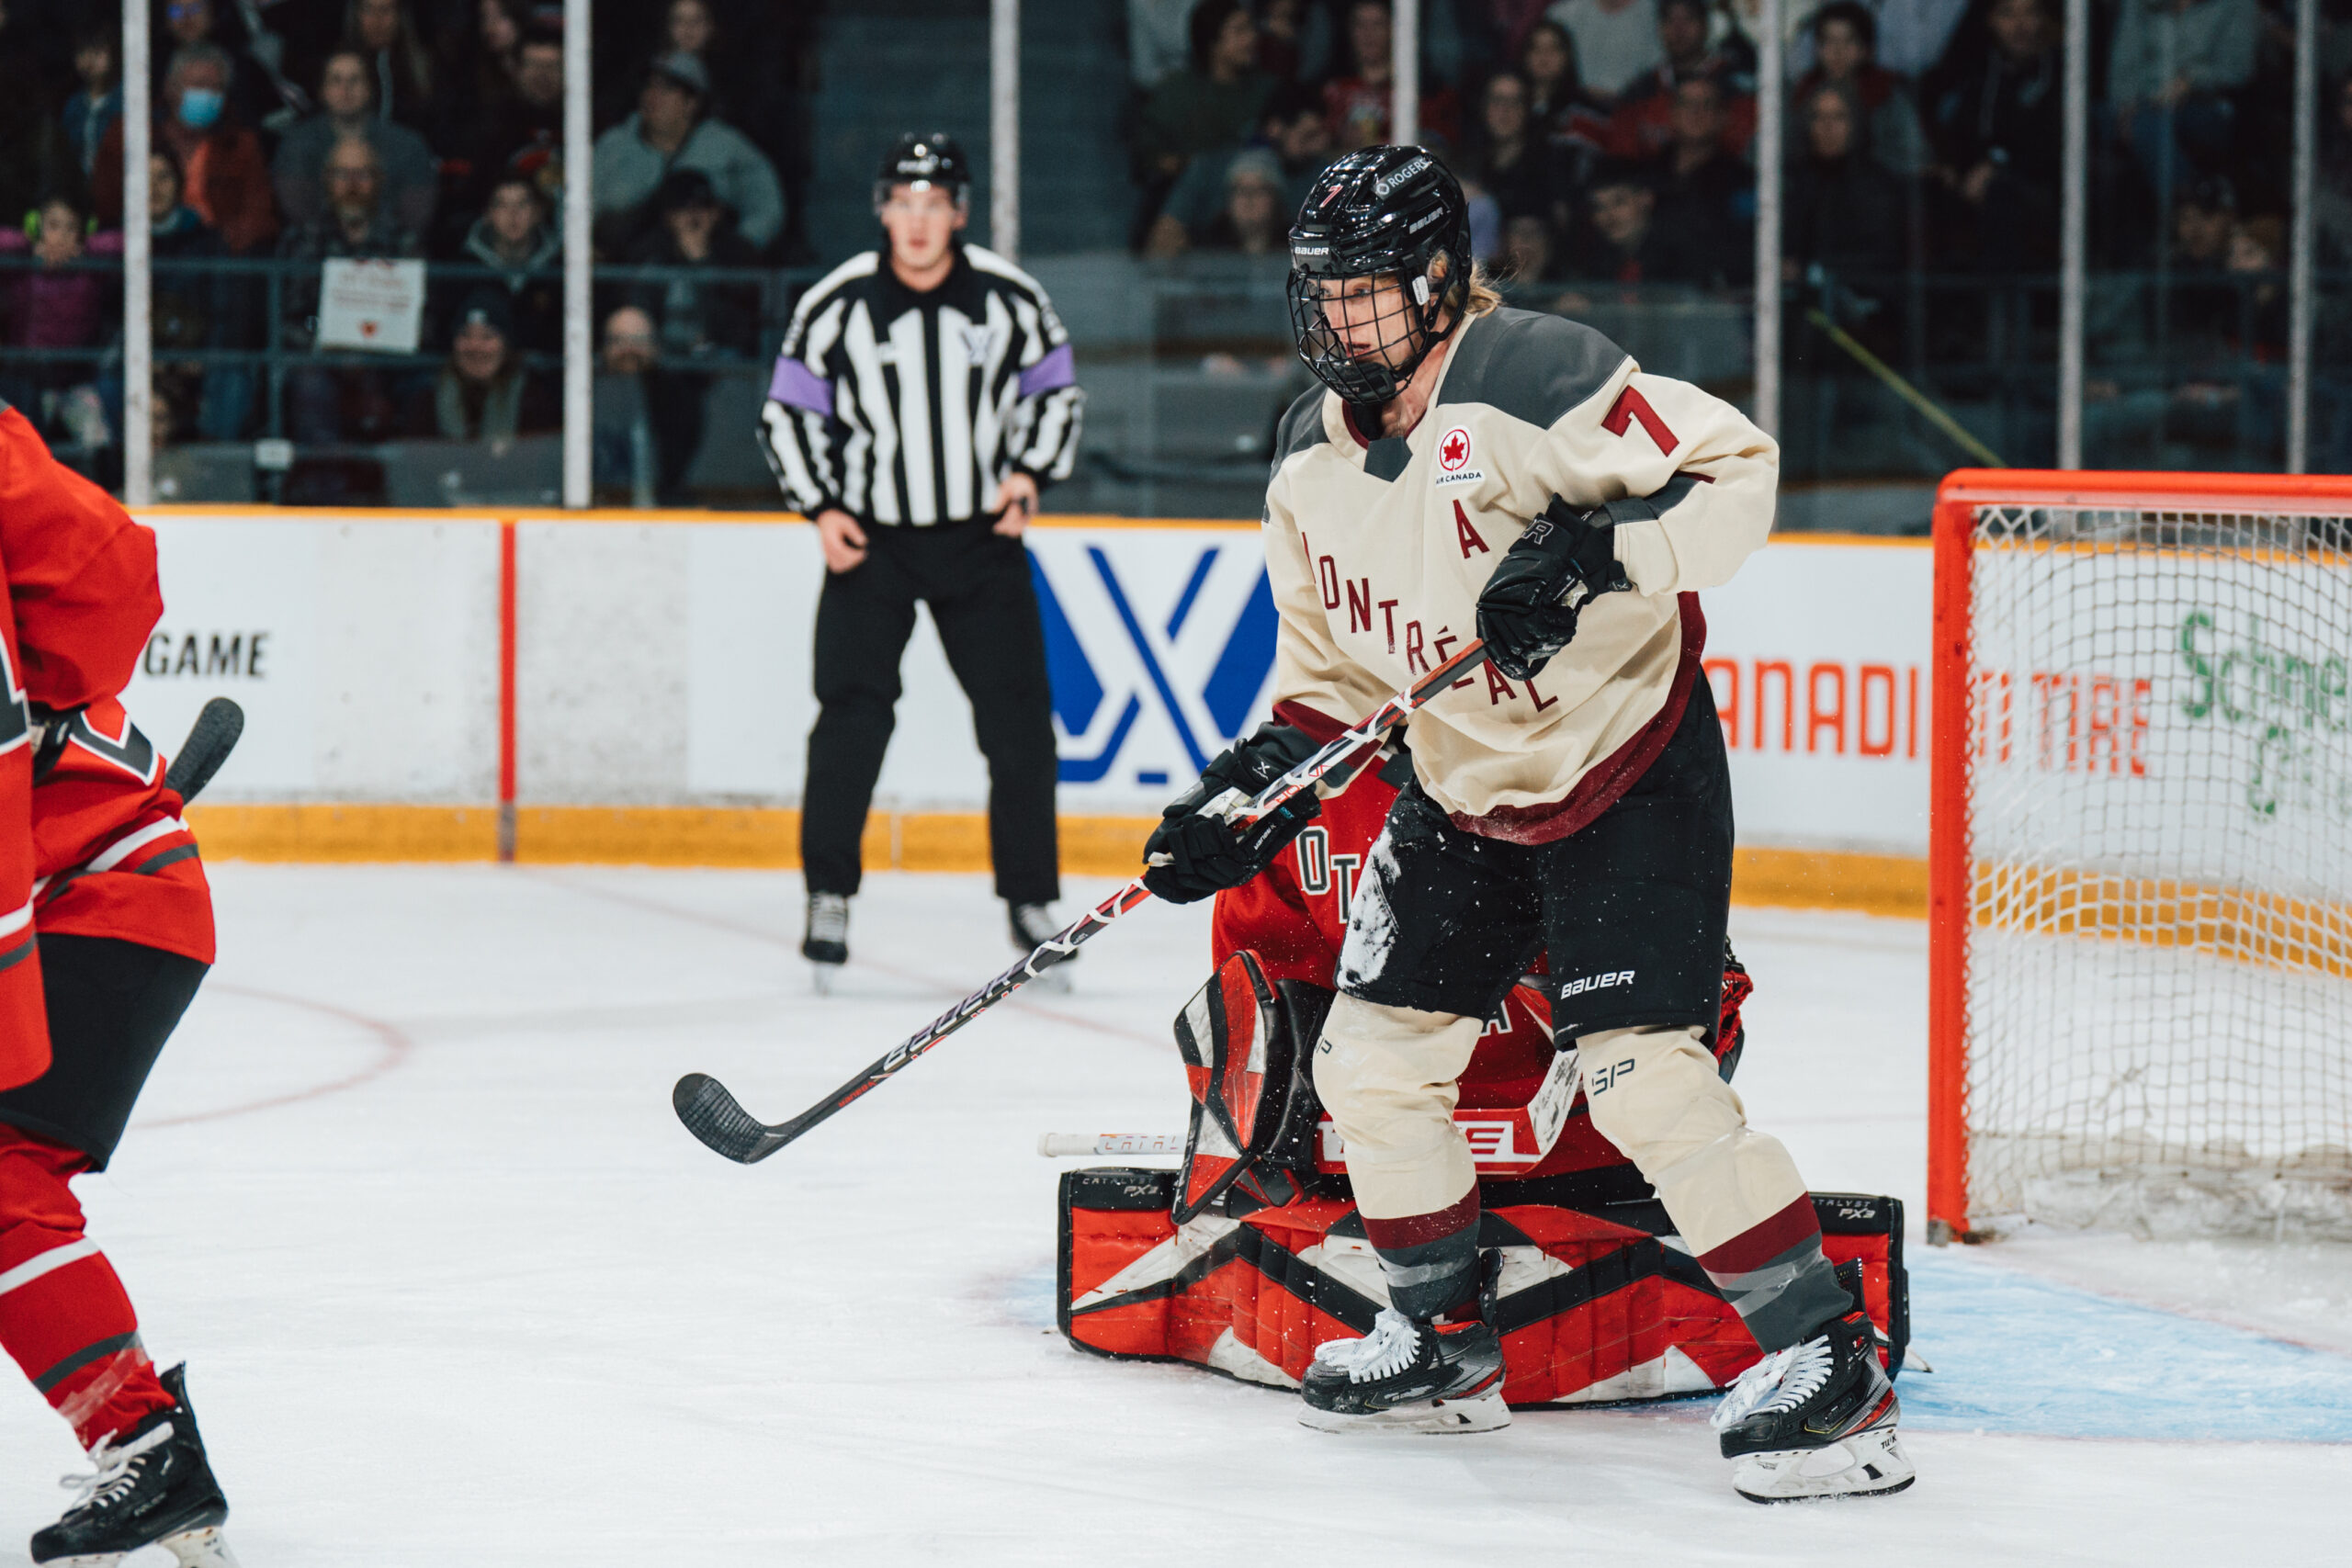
(1382, 212)
(919, 160)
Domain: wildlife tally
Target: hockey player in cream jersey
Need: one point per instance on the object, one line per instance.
(1470, 470)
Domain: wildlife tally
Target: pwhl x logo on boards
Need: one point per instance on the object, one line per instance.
(1159, 649)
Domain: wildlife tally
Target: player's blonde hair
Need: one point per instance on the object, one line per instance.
(1482, 297)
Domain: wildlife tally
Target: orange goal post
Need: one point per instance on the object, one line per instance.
(2140, 853)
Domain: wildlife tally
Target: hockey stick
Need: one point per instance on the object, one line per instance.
(209, 740)
(714, 1115)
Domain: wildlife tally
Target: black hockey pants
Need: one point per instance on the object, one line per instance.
(978, 586)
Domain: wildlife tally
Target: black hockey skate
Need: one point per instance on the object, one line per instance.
(1032, 924)
(153, 1488)
(826, 945)
(1815, 1420)
(1406, 1377)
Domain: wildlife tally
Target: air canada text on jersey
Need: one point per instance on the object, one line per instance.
(238, 655)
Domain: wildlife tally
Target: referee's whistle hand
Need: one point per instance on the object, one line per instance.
(843, 540)
(1018, 496)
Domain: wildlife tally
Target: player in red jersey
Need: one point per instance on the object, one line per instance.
(108, 894)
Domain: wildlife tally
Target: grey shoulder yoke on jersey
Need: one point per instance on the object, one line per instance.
(1300, 428)
(1531, 366)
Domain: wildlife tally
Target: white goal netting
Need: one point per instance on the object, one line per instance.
(2159, 963)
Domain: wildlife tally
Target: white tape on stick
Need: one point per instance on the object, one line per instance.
(1065, 1145)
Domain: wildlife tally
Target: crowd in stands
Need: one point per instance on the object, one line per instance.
(1612, 141)
(314, 130)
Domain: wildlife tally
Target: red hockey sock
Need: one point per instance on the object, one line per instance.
(64, 1314)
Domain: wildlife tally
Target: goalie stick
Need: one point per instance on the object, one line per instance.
(713, 1114)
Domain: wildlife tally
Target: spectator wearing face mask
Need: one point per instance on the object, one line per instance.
(227, 179)
(258, 93)
(346, 109)
(672, 130)
(516, 237)
(483, 391)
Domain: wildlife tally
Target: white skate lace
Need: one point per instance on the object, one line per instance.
(828, 917)
(115, 1476)
(1782, 1381)
(1390, 1348)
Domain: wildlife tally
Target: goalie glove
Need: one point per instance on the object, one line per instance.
(1206, 851)
(1567, 558)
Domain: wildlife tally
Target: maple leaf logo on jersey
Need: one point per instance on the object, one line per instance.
(1453, 450)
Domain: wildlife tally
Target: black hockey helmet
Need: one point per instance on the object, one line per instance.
(1382, 212)
(918, 160)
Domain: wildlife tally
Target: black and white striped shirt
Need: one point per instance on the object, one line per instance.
(899, 407)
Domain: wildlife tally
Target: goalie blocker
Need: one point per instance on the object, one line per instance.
(1252, 1253)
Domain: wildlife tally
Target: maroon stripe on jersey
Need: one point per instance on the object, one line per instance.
(1606, 781)
(1762, 1243)
(1419, 1230)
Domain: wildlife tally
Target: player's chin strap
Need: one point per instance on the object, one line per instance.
(713, 1114)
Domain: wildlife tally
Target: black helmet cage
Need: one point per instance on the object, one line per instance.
(915, 160)
(1382, 212)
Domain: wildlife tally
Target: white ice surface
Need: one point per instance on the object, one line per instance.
(457, 1289)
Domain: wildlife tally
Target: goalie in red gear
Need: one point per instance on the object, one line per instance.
(1253, 1253)
(111, 935)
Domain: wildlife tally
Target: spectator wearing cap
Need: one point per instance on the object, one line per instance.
(1845, 52)
(515, 238)
(485, 392)
(346, 109)
(672, 130)
(227, 179)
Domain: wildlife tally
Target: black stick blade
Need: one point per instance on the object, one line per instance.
(711, 1113)
(209, 740)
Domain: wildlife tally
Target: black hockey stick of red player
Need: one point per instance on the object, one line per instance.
(714, 1115)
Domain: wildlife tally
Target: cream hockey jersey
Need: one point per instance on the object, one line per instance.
(1377, 548)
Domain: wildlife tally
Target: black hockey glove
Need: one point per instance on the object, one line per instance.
(1207, 854)
(1569, 555)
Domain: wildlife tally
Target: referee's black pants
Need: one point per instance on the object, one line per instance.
(976, 584)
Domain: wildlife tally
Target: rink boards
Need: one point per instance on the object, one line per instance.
(636, 688)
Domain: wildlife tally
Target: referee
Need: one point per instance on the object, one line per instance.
(924, 393)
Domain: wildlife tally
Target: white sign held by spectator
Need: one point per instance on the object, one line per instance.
(372, 304)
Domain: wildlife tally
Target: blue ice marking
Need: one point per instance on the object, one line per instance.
(2014, 1353)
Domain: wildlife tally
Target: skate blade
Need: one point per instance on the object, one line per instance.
(1054, 981)
(1867, 1464)
(1436, 1417)
(203, 1548)
(822, 977)
(206, 1548)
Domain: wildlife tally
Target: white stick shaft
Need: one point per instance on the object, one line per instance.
(1065, 1145)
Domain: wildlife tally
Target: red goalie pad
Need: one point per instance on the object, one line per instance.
(1592, 1306)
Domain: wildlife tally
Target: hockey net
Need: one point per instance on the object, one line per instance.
(2141, 853)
